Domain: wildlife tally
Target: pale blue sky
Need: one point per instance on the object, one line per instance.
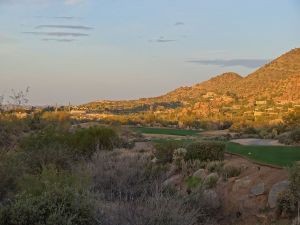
(83, 50)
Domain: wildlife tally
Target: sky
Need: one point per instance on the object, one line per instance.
(83, 50)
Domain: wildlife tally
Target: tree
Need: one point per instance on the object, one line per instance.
(19, 98)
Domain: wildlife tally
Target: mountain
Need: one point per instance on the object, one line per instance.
(278, 80)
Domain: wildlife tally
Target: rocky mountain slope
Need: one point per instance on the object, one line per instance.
(278, 80)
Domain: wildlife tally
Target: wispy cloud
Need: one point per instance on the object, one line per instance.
(58, 40)
(57, 34)
(249, 63)
(179, 23)
(162, 40)
(75, 27)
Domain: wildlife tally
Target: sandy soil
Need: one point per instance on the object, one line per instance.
(256, 141)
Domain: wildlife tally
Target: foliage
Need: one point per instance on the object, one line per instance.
(51, 198)
(229, 171)
(211, 181)
(164, 151)
(215, 166)
(286, 203)
(124, 175)
(288, 200)
(205, 151)
(193, 182)
(57, 146)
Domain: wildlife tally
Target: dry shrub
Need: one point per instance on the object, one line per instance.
(124, 175)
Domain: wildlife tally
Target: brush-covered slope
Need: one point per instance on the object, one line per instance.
(277, 80)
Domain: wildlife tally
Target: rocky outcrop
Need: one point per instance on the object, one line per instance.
(257, 190)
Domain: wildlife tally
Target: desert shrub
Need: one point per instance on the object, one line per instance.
(230, 171)
(205, 151)
(178, 155)
(295, 136)
(51, 198)
(159, 210)
(215, 166)
(286, 203)
(288, 200)
(164, 151)
(11, 129)
(193, 182)
(250, 130)
(211, 182)
(44, 148)
(124, 175)
(294, 178)
(56, 116)
(56, 146)
(86, 142)
(11, 168)
(189, 167)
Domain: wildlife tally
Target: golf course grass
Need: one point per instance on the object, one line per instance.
(275, 155)
(166, 131)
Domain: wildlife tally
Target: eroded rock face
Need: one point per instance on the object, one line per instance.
(275, 191)
(258, 189)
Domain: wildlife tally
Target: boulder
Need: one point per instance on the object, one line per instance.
(201, 173)
(172, 181)
(275, 191)
(241, 184)
(258, 189)
(212, 199)
(212, 176)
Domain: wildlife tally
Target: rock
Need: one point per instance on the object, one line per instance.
(212, 199)
(241, 183)
(201, 173)
(212, 176)
(154, 160)
(275, 191)
(258, 189)
(172, 181)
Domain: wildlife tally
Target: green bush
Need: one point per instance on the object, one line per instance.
(48, 199)
(205, 151)
(80, 143)
(164, 151)
(193, 182)
(86, 142)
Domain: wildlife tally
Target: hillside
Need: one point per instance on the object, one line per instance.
(275, 87)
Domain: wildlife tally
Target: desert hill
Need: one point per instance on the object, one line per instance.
(278, 80)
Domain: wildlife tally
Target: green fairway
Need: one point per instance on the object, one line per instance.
(166, 131)
(275, 155)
